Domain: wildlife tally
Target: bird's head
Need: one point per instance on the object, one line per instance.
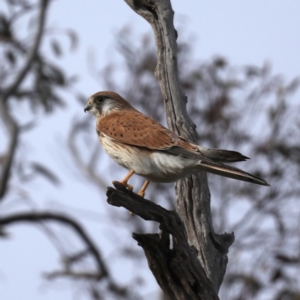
(102, 104)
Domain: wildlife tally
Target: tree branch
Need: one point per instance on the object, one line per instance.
(7, 161)
(102, 270)
(39, 217)
(176, 269)
(8, 120)
(31, 54)
(86, 167)
(193, 195)
(8, 157)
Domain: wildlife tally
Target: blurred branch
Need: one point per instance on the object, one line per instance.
(74, 275)
(88, 167)
(31, 54)
(8, 120)
(13, 131)
(91, 247)
(40, 217)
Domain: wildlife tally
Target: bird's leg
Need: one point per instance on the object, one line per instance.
(143, 189)
(124, 181)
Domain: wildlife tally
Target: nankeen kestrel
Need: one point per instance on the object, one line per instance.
(147, 148)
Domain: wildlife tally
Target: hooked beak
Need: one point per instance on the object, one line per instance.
(87, 108)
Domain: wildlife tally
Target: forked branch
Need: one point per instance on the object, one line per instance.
(176, 269)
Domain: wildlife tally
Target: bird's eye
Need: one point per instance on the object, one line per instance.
(100, 98)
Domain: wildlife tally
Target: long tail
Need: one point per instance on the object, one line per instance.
(231, 172)
(221, 155)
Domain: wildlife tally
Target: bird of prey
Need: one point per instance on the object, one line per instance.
(147, 148)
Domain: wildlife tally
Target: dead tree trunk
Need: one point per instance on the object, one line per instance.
(194, 268)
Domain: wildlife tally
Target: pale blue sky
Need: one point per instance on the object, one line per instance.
(245, 32)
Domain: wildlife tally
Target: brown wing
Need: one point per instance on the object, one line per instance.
(130, 127)
(133, 128)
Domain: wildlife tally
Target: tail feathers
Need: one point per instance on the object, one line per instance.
(221, 155)
(231, 172)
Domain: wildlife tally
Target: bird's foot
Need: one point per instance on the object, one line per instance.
(122, 185)
(141, 194)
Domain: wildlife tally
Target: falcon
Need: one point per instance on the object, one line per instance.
(147, 148)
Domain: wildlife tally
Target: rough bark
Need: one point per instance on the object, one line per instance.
(193, 195)
(176, 269)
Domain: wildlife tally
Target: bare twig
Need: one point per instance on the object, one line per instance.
(31, 54)
(74, 275)
(40, 217)
(8, 120)
(87, 167)
(102, 273)
(13, 131)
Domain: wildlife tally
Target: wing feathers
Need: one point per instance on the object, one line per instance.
(220, 155)
(131, 127)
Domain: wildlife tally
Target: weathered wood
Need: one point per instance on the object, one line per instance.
(193, 195)
(176, 269)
